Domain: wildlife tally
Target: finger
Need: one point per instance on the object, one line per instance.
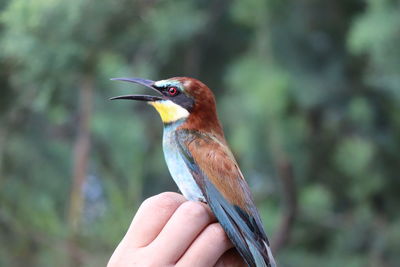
(208, 247)
(150, 219)
(184, 226)
(230, 258)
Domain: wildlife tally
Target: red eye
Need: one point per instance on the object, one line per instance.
(172, 91)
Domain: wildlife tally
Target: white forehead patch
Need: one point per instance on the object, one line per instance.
(164, 83)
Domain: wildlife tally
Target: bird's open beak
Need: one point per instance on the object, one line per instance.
(147, 83)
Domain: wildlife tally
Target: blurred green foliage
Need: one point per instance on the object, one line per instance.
(314, 82)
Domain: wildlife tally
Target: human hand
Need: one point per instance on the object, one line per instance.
(168, 230)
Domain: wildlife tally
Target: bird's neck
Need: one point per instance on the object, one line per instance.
(204, 123)
(204, 120)
(204, 126)
(172, 126)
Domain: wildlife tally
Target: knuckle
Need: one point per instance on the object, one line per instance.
(193, 209)
(216, 231)
(165, 201)
(169, 195)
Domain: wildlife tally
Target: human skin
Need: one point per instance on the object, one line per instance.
(168, 230)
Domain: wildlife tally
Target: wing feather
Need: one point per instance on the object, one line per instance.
(216, 172)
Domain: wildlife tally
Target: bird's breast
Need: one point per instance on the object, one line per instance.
(177, 167)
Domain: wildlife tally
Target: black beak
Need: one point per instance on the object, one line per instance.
(147, 83)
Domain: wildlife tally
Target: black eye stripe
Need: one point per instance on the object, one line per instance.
(180, 98)
(184, 101)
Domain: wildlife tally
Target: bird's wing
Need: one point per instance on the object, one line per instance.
(217, 174)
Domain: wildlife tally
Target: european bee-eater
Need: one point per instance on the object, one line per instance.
(201, 163)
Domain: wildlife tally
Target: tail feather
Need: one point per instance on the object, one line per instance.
(251, 245)
(270, 256)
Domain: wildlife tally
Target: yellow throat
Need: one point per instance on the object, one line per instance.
(169, 111)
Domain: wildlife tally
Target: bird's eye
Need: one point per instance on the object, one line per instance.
(172, 91)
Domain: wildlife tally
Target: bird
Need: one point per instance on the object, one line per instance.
(201, 163)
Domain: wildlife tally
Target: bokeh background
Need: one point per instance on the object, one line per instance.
(308, 92)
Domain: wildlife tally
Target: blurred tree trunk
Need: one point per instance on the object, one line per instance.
(285, 171)
(2, 147)
(80, 163)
